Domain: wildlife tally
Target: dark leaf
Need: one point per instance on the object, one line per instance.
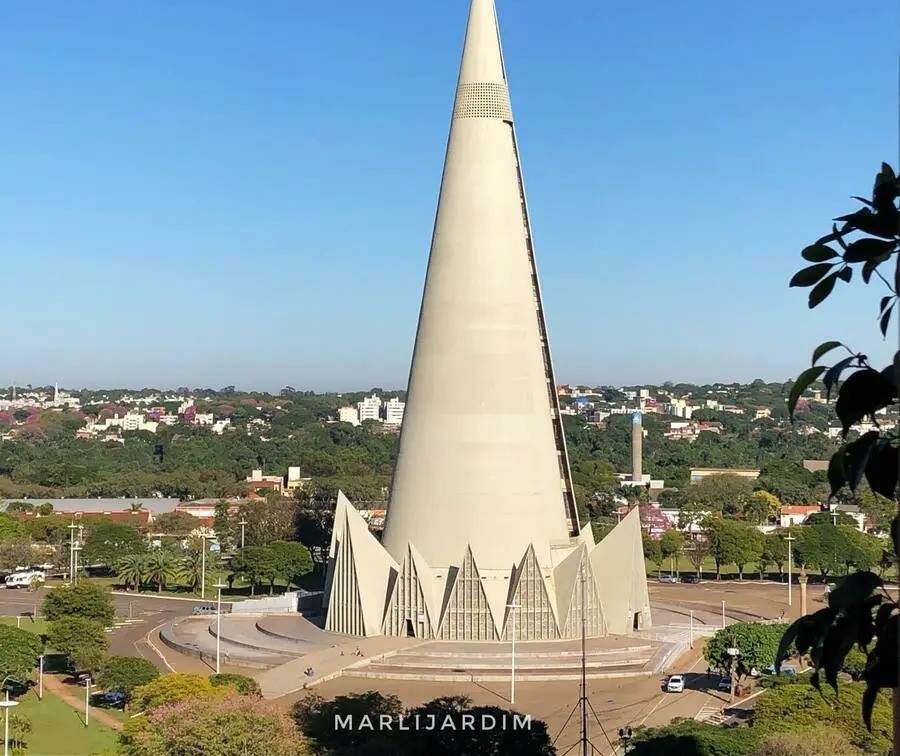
(837, 470)
(800, 633)
(814, 681)
(885, 301)
(868, 704)
(881, 472)
(865, 622)
(803, 382)
(845, 274)
(867, 249)
(818, 253)
(871, 265)
(812, 274)
(867, 203)
(887, 175)
(885, 320)
(840, 639)
(821, 290)
(856, 457)
(862, 394)
(833, 374)
(882, 617)
(853, 590)
(824, 348)
(868, 222)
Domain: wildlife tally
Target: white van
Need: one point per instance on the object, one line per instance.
(25, 579)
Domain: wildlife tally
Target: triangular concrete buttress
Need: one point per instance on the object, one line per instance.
(409, 609)
(534, 615)
(467, 615)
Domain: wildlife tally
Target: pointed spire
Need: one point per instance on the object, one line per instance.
(482, 60)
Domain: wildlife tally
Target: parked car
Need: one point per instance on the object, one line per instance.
(668, 579)
(201, 609)
(675, 684)
(114, 698)
(786, 669)
(724, 684)
(690, 579)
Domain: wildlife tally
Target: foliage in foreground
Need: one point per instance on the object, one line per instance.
(316, 718)
(800, 707)
(173, 688)
(241, 683)
(83, 641)
(858, 612)
(220, 725)
(687, 737)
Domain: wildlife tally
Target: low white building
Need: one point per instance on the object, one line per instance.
(369, 408)
(393, 411)
(348, 415)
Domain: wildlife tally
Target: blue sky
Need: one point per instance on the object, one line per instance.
(207, 193)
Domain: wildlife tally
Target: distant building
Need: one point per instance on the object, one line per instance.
(762, 412)
(699, 473)
(815, 465)
(393, 411)
(789, 516)
(369, 408)
(270, 482)
(348, 415)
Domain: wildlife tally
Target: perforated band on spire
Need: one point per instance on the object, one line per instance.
(482, 100)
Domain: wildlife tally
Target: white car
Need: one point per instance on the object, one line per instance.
(675, 684)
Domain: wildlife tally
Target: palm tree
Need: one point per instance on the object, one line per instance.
(192, 566)
(132, 569)
(162, 566)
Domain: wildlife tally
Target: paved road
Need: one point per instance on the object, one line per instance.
(138, 616)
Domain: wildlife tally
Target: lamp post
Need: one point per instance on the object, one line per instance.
(790, 539)
(7, 705)
(243, 523)
(512, 678)
(625, 735)
(72, 528)
(219, 587)
(692, 628)
(75, 551)
(87, 701)
(723, 614)
(41, 678)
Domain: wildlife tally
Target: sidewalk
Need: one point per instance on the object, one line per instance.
(59, 689)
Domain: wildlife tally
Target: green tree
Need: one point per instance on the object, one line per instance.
(11, 529)
(19, 652)
(132, 570)
(879, 509)
(226, 725)
(688, 737)
(169, 689)
(292, 560)
(126, 673)
(750, 547)
(652, 550)
(774, 551)
(86, 600)
(194, 565)
(724, 538)
(225, 527)
(757, 643)
(241, 683)
(825, 547)
(823, 740)
(107, 542)
(256, 564)
(671, 545)
(82, 640)
(727, 492)
(162, 566)
(15, 553)
(175, 524)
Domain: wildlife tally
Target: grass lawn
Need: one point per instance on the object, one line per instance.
(38, 626)
(58, 730)
(751, 573)
(239, 592)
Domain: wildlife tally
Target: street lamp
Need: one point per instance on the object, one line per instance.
(72, 528)
(512, 678)
(243, 523)
(202, 565)
(692, 628)
(7, 705)
(75, 551)
(790, 539)
(87, 701)
(219, 587)
(41, 678)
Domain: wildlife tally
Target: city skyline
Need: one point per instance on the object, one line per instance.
(222, 199)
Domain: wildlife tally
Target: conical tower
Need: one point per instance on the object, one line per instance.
(481, 520)
(482, 458)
